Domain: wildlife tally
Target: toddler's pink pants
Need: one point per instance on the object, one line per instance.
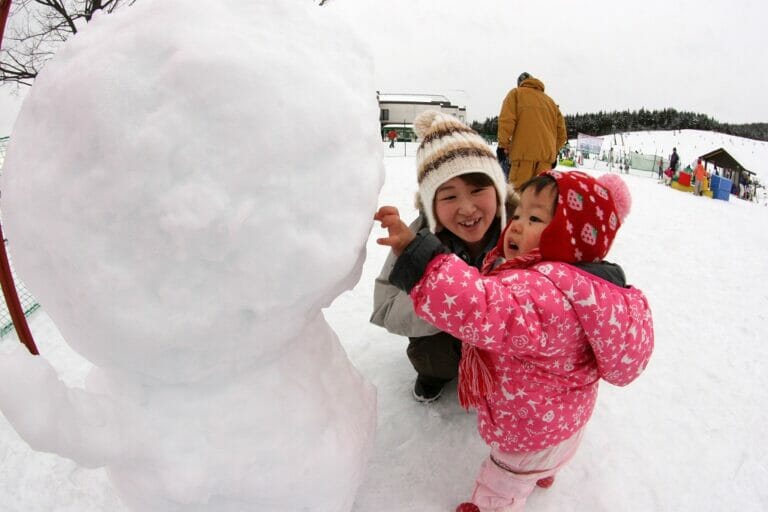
(506, 480)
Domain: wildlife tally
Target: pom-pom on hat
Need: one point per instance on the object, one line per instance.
(587, 217)
(449, 148)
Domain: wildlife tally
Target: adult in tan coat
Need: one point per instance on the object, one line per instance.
(531, 130)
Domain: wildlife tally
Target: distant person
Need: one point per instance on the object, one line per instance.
(674, 160)
(669, 176)
(700, 175)
(531, 130)
(743, 185)
(661, 169)
(392, 136)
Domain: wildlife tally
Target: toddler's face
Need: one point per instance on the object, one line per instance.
(466, 210)
(532, 215)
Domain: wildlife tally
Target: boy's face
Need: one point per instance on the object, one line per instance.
(532, 215)
(465, 210)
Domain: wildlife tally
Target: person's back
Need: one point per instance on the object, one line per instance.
(552, 350)
(674, 159)
(392, 136)
(700, 176)
(699, 173)
(531, 130)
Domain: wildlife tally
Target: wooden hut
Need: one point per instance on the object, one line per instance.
(731, 169)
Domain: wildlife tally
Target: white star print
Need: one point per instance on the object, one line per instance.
(528, 307)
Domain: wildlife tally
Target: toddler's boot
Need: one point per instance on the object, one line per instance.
(545, 483)
(467, 507)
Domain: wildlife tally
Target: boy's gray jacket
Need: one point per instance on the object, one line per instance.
(392, 307)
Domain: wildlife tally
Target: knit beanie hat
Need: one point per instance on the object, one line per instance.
(588, 215)
(449, 148)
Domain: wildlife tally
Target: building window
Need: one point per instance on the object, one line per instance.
(384, 114)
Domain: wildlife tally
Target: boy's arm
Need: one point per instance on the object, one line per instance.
(413, 262)
(392, 307)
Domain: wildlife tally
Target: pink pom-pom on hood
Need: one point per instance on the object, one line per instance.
(622, 199)
(588, 215)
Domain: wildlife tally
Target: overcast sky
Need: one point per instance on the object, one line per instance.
(701, 56)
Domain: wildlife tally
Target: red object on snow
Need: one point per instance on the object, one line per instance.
(684, 179)
(5, 7)
(467, 507)
(6, 278)
(545, 483)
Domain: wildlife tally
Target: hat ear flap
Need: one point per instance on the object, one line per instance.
(417, 202)
(513, 199)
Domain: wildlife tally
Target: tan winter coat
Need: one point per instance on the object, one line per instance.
(531, 127)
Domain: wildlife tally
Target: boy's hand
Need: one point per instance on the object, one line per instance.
(399, 233)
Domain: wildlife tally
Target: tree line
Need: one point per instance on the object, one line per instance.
(605, 123)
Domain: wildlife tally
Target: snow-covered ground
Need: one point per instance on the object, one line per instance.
(687, 436)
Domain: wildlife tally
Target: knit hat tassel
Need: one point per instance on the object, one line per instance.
(475, 377)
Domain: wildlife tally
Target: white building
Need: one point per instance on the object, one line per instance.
(397, 111)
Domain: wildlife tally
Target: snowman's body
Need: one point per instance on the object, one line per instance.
(158, 218)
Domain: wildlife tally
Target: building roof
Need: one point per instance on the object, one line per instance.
(428, 99)
(723, 158)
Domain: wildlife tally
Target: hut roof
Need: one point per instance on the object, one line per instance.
(721, 158)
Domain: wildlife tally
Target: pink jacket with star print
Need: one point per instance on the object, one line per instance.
(548, 332)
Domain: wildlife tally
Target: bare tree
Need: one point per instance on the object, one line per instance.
(35, 30)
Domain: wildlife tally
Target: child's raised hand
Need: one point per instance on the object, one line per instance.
(400, 234)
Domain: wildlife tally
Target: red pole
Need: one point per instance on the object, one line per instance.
(6, 278)
(5, 7)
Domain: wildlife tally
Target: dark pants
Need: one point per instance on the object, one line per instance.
(501, 156)
(435, 358)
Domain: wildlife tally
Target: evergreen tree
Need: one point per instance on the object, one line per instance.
(604, 123)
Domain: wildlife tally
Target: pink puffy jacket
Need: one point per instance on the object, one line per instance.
(548, 333)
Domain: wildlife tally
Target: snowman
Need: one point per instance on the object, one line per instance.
(187, 186)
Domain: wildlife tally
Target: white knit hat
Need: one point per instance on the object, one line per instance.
(449, 148)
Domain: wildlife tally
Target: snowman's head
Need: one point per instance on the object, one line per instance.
(181, 201)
